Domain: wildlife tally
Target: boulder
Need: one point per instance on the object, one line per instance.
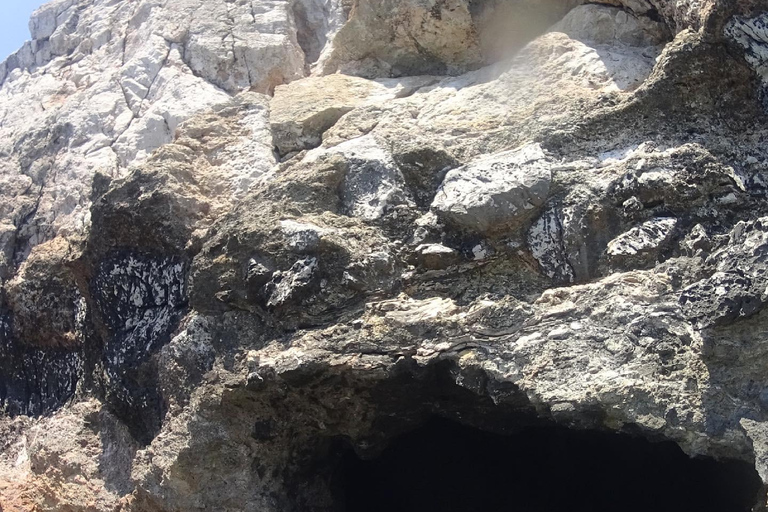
(495, 194)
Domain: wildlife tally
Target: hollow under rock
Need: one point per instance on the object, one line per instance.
(449, 467)
(442, 438)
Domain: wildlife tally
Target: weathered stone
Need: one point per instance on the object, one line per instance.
(697, 242)
(301, 112)
(287, 285)
(642, 244)
(752, 35)
(598, 25)
(435, 256)
(301, 237)
(495, 194)
(117, 80)
(424, 164)
(737, 289)
(75, 460)
(373, 184)
(545, 240)
(213, 299)
(47, 284)
(415, 37)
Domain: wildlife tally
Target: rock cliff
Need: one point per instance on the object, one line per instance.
(244, 240)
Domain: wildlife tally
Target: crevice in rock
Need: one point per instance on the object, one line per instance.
(653, 15)
(311, 38)
(137, 113)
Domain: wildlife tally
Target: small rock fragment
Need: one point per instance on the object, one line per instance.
(286, 285)
(301, 236)
(435, 256)
(642, 244)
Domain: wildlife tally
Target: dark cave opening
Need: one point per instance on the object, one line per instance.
(445, 466)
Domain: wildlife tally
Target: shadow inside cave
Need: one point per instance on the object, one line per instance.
(444, 466)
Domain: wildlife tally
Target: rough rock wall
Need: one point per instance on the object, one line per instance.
(232, 232)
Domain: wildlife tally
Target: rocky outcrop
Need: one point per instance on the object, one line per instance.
(243, 243)
(495, 193)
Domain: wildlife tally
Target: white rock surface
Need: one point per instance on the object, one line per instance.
(643, 240)
(104, 83)
(752, 35)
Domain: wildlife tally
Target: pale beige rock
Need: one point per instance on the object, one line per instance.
(499, 107)
(301, 112)
(597, 25)
(415, 37)
(78, 460)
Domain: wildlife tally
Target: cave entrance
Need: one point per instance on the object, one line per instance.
(447, 467)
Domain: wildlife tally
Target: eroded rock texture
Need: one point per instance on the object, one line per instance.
(242, 241)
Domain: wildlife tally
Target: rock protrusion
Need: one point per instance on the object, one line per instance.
(495, 194)
(406, 38)
(641, 245)
(738, 287)
(373, 185)
(301, 112)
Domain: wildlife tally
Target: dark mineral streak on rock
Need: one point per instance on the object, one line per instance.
(35, 381)
(140, 300)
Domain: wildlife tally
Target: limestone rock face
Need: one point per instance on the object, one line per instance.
(243, 242)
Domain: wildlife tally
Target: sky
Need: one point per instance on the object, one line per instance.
(14, 24)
